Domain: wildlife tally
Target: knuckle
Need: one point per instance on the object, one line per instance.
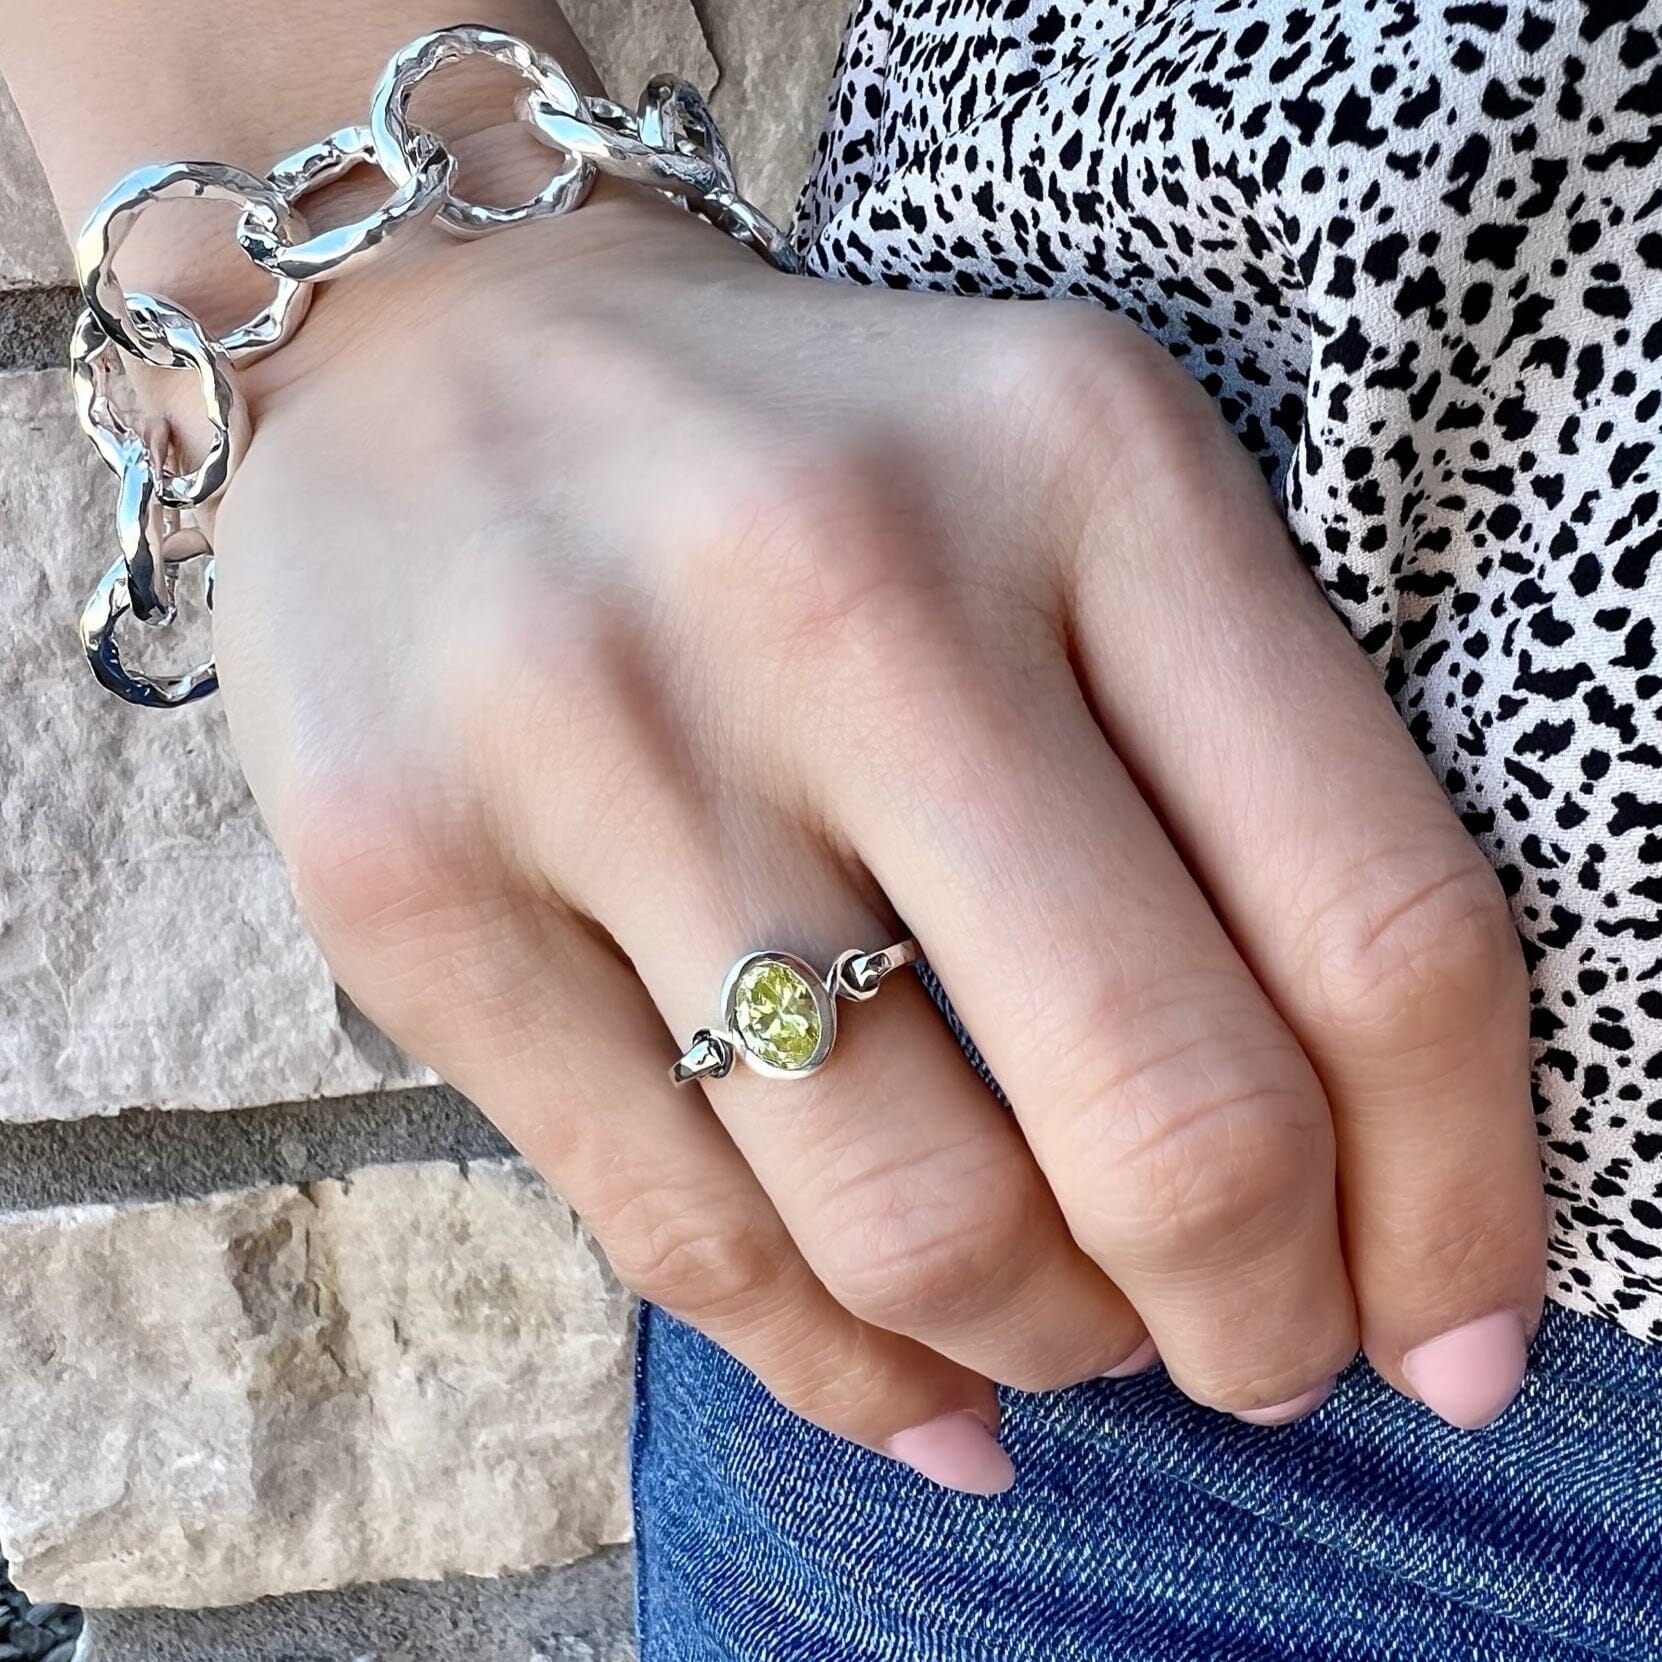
(1062, 1362)
(918, 1288)
(1492, 1250)
(1230, 1390)
(1416, 951)
(702, 1262)
(833, 1391)
(1085, 385)
(844, 557)
(1204, 1124)
(919, 1250)
(1233, 1166)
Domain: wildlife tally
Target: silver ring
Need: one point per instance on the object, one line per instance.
(395, 139)
(153, 539)
(93, 358)
(107, 228)
(674, 116)
(111, 601)
(779, 1014)
(347, 247)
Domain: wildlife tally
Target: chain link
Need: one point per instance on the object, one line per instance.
(95, 367)
(414, 203)
(669, 144)
(395, 147)
(113, 220)
(153, 539)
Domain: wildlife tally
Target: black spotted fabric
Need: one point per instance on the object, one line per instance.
(1414, 251)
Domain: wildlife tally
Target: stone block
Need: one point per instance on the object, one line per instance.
(419, 1372)
(631, 43)
(150, 954)
(776, 58)
(34, 253)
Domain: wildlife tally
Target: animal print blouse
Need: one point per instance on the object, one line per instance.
(1413, 248)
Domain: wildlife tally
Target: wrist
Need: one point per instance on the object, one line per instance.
(497, 282)
(241, 87)
(239, 81)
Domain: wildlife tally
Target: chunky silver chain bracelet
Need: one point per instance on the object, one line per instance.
(669, 143)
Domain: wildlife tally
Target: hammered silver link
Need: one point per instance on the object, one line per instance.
(395, 138)
(670, 144)
(112, 221)
(605, 113)
(111, 601)
(674, 116)
(348, 247)
(94, 361)
(612, 149)
(153, 539)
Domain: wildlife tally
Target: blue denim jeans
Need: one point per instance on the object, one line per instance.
(1145, 1529)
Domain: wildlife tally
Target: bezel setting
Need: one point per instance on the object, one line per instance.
(825, 1008)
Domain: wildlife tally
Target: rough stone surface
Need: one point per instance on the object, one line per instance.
(420, 1372)
(33, 250)
(776, 58)
(150, 954)
(35, 325)
(630, 43)
(326, 1370)
(576, 1613)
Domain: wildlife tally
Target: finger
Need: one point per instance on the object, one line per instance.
(536, 1018)
(1180, 1127)
(908, 1187)
(1367, 911)
(904, 1183)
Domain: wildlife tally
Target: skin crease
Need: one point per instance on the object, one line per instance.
(596, 604)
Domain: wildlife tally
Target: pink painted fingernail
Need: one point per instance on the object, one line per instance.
(1139, 1361)
(958, 1452)
(1294, 1408)
(1469, 1375)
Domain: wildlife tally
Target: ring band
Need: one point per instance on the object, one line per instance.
(779, 1014)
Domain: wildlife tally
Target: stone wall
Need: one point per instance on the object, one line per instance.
(281, 1317)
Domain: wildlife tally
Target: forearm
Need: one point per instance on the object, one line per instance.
(239, 81)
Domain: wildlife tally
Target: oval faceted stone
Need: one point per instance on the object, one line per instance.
(776, 1015)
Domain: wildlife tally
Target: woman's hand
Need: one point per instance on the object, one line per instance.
(596, 605)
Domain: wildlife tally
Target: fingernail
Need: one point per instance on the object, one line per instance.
(958, 1452)
(1139, 1361)
(1294, 1408)
(1469, 1375)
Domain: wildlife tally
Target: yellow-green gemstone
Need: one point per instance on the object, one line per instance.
(776, 1015)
